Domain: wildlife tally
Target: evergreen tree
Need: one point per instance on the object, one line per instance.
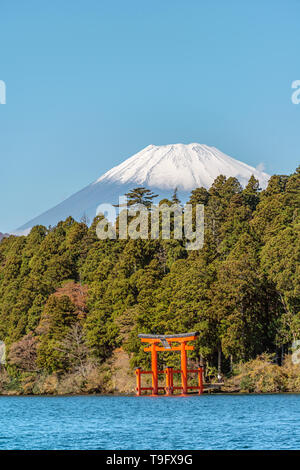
(140, 195)
(69, 297)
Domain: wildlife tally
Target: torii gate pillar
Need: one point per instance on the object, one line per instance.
(154, 369)
(183, 368)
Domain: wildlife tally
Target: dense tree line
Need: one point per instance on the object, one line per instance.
(68, 298)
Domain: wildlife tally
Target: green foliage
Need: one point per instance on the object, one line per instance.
(261, 375)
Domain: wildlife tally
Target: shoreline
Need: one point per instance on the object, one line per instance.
(120, 395)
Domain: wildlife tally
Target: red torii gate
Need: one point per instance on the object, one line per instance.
(154, 341)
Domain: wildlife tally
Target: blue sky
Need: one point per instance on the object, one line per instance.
(91, 82)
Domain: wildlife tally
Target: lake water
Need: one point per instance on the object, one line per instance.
(111, 422)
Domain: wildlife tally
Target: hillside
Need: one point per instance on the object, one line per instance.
(2, 235)
(71, 305)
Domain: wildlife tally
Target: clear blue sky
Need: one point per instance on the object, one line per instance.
(91, 82)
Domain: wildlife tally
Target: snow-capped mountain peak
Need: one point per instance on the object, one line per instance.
(159, 168)
(183, 166)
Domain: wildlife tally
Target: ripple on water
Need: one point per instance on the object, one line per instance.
(99, 422)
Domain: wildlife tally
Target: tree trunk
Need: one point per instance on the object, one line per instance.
(282, 354)
(219, 363)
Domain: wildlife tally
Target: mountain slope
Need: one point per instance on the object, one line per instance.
(3, 235)
(160, 168)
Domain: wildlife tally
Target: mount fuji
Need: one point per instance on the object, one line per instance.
(159, 168)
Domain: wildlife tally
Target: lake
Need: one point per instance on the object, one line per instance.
(121, 423)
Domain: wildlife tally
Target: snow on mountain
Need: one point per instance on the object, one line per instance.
(183, 166)
(159, 168)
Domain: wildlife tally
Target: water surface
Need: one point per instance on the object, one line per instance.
(111, 422)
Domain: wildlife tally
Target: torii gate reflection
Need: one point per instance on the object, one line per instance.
(154, 348)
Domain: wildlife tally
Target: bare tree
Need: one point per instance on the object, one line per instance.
(74, 348)
(23, 353)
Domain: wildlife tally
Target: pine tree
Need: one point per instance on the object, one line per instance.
(140, 195)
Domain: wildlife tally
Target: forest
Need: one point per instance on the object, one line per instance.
(71, 305)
